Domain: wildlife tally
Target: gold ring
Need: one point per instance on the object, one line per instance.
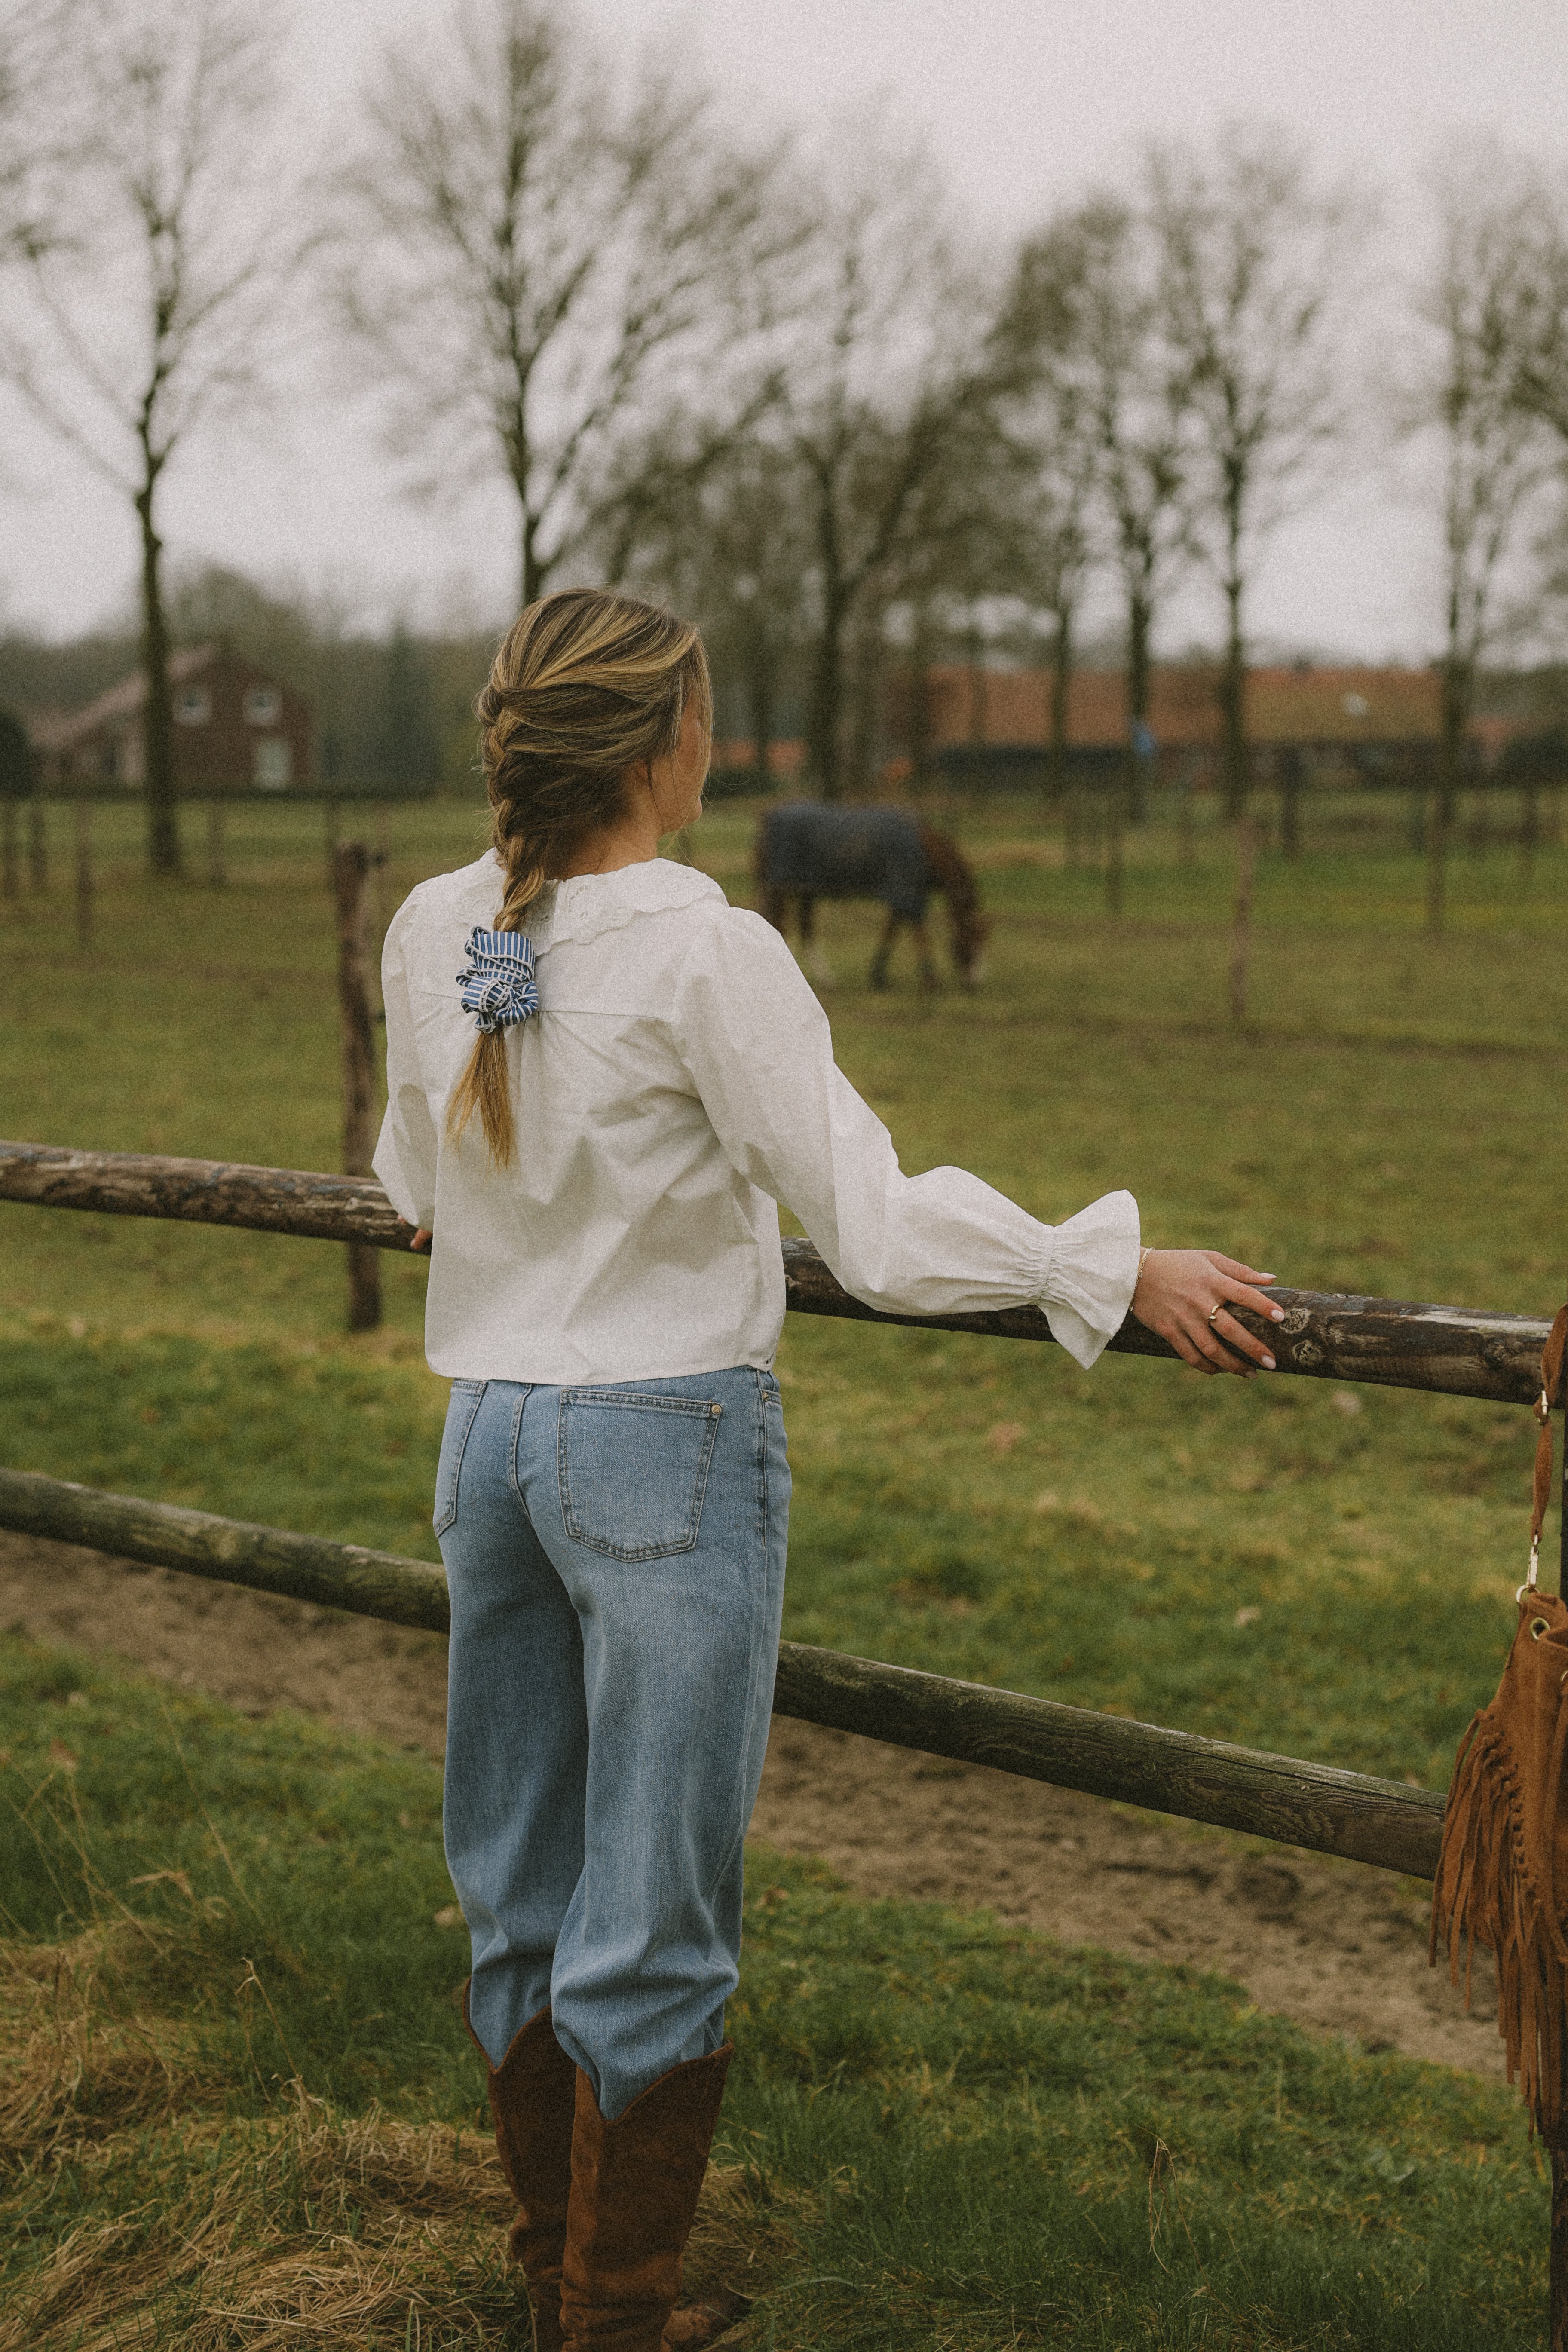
(1214, 1310)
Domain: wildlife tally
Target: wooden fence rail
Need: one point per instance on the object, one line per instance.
(1396, 1343)
(1280, 1797)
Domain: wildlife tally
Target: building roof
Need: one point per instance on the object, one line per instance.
(1294, 705)
(56, 730)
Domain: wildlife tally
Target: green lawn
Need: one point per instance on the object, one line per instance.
(942, 2134)
(1390, 1120)
(236, 2107)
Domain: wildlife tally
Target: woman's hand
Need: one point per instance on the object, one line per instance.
(1178, 1293)
(421, 1241)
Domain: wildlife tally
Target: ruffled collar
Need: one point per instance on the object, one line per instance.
(588, 904)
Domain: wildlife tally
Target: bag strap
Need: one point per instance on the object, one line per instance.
(1552, 1361)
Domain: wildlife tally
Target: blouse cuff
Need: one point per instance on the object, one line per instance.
(1090, 1273)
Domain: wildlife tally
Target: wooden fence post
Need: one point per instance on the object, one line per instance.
(1438, 822)
(83, 870)
(350, 867)
(37, 844)
(1121, 791)
(1241, 920)
(383, 864)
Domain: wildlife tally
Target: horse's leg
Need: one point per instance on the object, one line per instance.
(928, 981)
(884, 947)
(818, 970)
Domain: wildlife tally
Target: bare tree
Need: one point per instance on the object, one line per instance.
(714, 525)
(33, 152)
(533, 261)
(1540, 385)
(145, 316)
(1133, 398)
(881, 372)
(1051, 429)
(1251, 262)
(1479, 311)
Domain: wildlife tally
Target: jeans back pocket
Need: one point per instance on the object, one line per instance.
(462, 1405)
(633, 1469)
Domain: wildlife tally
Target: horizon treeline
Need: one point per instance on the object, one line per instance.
(776, 379)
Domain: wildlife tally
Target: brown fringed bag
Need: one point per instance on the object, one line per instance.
(1502, 1873)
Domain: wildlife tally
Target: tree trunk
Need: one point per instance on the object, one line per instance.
(920, 728)
(1061, 683)
(978, 715)
(1140, 623)
(1292, 776)
(760, 694)
(1455, 712)
(1232, 705)
(530, 571)
(1241, 917)
(83, 869)
(1065, 790)
(825, 715)
(164, 852)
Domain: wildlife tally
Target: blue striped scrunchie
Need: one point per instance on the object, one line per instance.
(498, 985)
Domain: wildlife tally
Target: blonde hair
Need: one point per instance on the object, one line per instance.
(587, 686)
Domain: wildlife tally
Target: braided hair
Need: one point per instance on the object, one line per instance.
(588, 684)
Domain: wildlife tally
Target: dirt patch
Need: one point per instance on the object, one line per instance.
(1340, 1948)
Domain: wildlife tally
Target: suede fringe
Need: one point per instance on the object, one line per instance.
(1487, 1892)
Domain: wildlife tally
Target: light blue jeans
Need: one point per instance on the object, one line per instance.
(616, 1558)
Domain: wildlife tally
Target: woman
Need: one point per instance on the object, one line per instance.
(596, 1115)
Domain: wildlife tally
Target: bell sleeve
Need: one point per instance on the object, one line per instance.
(405, 1150)
(757, 1046)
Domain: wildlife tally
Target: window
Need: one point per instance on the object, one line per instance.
(273, 767)
(263, 706)
(192, 705)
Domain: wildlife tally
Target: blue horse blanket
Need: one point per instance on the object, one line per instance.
(847, 853)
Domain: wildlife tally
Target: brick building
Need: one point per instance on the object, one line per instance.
(237, 732)
(1302, 704)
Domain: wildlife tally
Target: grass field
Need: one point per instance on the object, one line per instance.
(1391, 1121)
(237, 2107)
(1324, 1571)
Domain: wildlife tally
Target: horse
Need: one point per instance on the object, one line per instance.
(806, 851)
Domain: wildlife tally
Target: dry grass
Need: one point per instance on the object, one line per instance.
(300, 2228)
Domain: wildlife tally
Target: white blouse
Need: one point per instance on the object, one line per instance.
(677, 1083)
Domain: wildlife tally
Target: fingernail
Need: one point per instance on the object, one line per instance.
(1277, 1313)
(1268, 1363)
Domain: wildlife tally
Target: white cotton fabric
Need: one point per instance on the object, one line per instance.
(677, 1084)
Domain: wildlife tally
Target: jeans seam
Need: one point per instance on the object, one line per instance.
(523, 1397)
(759, 1610)
(441, 1525)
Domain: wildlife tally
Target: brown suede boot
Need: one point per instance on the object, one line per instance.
(635, 2185)
(532, 2095)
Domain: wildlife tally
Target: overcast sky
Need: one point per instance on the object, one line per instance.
(1024, 103)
